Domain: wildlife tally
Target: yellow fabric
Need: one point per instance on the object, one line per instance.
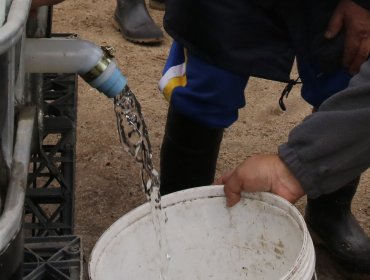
(172, 84)
(175, 81)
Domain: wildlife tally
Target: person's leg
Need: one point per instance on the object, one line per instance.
(132, 18)
(329, 217)
(188, 154)
(204, 100)
(334, 226)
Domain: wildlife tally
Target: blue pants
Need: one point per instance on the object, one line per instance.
(213, 96)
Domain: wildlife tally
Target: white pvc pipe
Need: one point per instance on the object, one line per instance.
(73, 56)
(60, 55)
(15, 24)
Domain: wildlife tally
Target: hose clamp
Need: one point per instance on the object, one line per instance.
(101, 66)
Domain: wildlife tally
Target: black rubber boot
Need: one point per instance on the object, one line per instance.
(157, 4)
(333, 225)
(135, 23)
(189, 153)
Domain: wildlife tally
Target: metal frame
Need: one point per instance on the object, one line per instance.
(50, 195)
(57, 257)
(52, 252)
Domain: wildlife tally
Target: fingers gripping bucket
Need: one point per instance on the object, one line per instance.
(262, 237)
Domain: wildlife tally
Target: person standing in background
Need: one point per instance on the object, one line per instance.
(133, 20)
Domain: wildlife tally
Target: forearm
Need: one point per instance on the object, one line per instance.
(332, 146)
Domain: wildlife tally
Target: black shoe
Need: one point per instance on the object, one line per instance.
(333, 225)
(135, 23)
(157, 4)
(188, 154)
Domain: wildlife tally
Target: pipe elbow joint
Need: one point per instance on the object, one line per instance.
(95, 65)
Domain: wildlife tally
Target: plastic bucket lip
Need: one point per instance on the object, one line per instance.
(109, 236)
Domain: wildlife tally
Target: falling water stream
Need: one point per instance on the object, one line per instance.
(135, 140)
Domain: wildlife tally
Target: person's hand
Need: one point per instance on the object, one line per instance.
(261, 173)
(356, 22)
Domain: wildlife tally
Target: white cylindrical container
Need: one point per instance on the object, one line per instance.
(263, 237)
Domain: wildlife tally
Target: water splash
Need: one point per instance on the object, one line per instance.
(135, 140)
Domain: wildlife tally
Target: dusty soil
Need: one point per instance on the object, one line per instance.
(107, 183)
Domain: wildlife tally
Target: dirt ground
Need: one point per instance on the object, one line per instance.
(107, 184)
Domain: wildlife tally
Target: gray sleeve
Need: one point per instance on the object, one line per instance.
(332, 146)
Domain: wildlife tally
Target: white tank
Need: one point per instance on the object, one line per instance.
(263, 237)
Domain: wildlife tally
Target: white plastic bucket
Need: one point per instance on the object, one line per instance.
(263, 237)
